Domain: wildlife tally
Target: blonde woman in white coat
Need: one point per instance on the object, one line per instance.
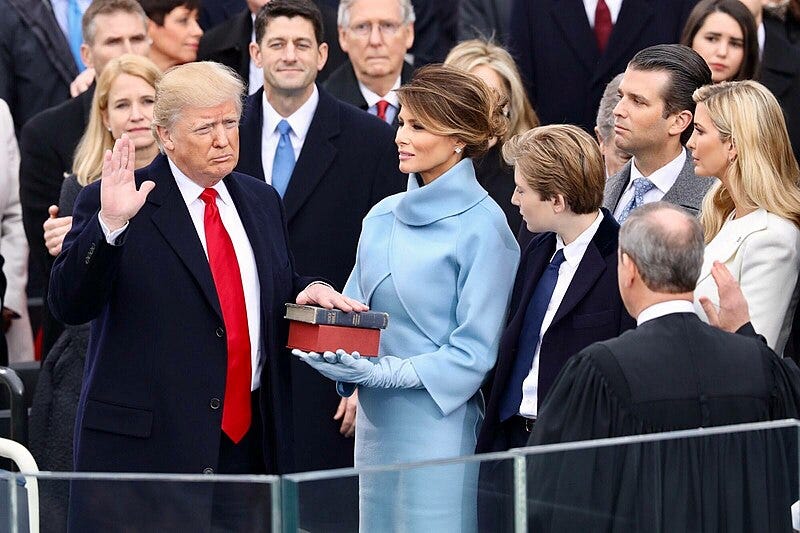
(751, 217)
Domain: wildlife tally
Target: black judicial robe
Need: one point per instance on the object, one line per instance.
(670, 373)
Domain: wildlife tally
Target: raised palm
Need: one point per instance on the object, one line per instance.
(119, 199)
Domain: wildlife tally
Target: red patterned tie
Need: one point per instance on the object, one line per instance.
(602, 25)
(236, 413)
(381, 106)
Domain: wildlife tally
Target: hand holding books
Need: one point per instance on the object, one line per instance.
(388, 372)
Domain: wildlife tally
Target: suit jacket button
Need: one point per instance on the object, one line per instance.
(215, 403)
(208, 470)
(220, 332)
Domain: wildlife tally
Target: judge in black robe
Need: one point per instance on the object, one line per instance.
(672, 372)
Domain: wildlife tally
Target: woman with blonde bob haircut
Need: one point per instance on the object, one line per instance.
(100, 133)
(123, 103)
(751, 217)
(444, 236)
(495, 66)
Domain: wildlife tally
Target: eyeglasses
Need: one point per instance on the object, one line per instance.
(364, 29)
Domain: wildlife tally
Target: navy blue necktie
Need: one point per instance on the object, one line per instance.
(529, 337)
(283, 164)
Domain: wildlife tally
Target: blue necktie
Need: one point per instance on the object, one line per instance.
(283, 164)
(529, 337)
(75, 31)
(640, 187)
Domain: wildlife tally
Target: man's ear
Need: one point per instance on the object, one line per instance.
(410, 36)
(559, 203)
(627, 270)
(86, 56)
(255, 54)
(681, 121)
(343, 39)
(166, 138)
(323, 56)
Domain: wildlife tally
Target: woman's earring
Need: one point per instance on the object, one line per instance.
(458, 149)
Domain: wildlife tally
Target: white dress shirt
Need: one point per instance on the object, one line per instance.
(190, 191)
(573, 254)
(591, 6)
(761, 35)
(300, 121)
(663, 179)
(372, 99)
(664, 308)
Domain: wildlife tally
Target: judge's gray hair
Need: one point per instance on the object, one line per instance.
(343, 17)
(200, 84)
(668, 251)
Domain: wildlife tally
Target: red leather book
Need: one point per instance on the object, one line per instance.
(323, 338)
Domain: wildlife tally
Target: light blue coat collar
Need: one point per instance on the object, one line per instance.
(450, 194)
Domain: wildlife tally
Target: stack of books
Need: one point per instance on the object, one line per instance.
(315, 329)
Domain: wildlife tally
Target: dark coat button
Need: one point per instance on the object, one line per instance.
(215, 403)
(208, 470)
(220, 332)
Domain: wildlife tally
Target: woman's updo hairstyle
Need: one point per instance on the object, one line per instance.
(448, 101)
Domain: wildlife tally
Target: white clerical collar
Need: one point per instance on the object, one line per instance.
(191, 191)
(574, 251)
(663, 178)
(664, 308)
(300, 120)
(373, 98)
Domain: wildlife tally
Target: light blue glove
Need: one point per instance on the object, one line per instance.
(388, 373)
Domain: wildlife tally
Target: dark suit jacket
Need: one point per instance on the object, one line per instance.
(484, 18)
(780, 73)
(343, 84)
(47, 146)
(157, 355)
(435, 30)
(591, 310)
(688, 190)
(229, 42)
(348, 163)
(36, 66)
(558, 56)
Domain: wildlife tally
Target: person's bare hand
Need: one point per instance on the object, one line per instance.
(119, 199)
(733, 312)
(346, 412)
(324, 296)
(55, 229)
(82, 82)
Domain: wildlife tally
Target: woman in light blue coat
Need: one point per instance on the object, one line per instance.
(441, 260)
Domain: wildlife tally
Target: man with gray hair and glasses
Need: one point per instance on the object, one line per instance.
(376, 35)
(671, 372)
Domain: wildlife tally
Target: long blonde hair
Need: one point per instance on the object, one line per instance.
(764, 173)
(88, 161)
(476, 52)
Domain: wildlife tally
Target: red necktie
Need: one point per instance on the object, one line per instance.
(602, 25)
(236, 413)
(382, 105)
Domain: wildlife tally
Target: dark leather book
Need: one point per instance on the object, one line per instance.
(334, 317)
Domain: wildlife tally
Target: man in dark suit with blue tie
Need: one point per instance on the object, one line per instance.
(331, 163)
(565, 296)
(184, 281)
